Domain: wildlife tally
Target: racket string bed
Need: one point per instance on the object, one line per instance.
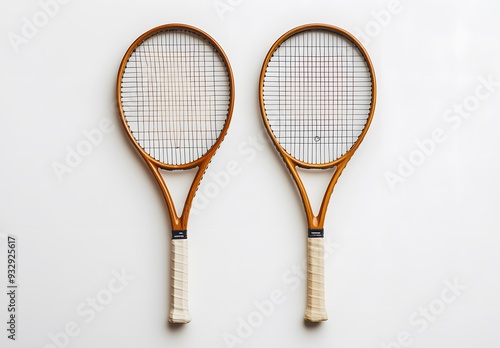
(175, 95)
(317, 95)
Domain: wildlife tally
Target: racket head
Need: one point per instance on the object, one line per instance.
(175, 93)
(317, 94)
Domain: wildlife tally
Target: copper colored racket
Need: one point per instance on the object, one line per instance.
(175, 94)
(317, 98)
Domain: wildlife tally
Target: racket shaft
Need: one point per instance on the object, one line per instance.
(315, 310)
(179, 312)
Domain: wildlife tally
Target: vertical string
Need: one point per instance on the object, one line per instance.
(337, 117)
(214, 100)
(154, 101)
(149, 89)
(170, 153)
(163, 99)
(351, 99)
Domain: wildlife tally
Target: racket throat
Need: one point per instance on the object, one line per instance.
(178, 189)
(315, 187)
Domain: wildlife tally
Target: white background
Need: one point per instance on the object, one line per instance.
(393, 245)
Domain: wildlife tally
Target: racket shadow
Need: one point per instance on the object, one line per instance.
(311, 325)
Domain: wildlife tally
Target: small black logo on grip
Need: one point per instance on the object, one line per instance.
(315, 233)
(179, 234)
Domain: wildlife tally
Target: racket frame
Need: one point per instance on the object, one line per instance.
(315, 222)
(179, 223)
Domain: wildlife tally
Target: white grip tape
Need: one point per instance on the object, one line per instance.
(179, 312)
(315, 310)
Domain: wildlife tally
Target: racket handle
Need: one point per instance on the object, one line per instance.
(315, 311)
(179, 312)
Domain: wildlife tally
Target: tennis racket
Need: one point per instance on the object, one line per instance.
(175, 95)
(317, 97)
